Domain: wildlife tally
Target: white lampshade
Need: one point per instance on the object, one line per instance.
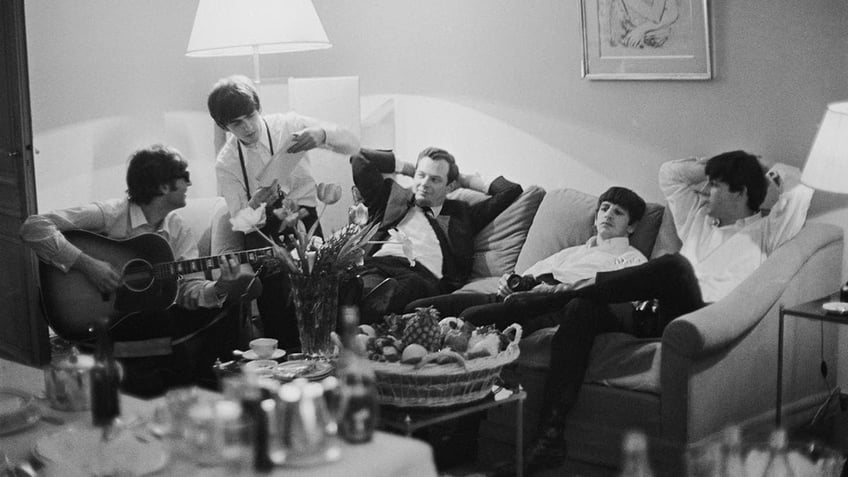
(250, 27)
(827, 164)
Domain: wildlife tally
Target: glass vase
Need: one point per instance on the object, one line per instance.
(316, 300)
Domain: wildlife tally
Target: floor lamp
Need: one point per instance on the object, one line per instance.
(254, 27)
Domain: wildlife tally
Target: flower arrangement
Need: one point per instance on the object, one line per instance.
(341, 252)
(316, 266)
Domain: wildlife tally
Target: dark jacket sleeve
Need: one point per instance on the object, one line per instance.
(503, 193)
(368, 168)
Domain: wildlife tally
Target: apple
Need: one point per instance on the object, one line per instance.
(369, 330)
(413, 353)
(361, 343)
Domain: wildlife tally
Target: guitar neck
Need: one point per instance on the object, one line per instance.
(203, 264)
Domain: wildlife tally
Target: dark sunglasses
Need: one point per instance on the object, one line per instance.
(185, 175)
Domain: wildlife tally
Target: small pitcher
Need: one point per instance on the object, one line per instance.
(302, 420)
(67, 382)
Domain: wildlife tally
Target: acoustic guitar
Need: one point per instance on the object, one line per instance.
(149, 273)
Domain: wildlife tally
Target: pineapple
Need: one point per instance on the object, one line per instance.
(423, 328)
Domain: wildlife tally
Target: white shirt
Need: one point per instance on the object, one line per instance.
(577, 264)
(293, 171)
(724, 256)
(425, 243)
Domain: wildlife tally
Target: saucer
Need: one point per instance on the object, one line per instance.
(311, 370)
(251, 355)
(263, 368)
(17, 410)
(836, 307)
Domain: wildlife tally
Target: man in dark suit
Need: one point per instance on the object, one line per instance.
(440, 231)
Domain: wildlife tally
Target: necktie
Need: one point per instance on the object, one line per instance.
(440, 234)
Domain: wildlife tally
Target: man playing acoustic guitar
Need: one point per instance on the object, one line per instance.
(157, 344)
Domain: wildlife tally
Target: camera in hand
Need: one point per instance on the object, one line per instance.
(520, 283)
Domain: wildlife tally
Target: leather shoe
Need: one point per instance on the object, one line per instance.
(376, 301)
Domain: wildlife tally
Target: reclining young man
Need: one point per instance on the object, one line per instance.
(619, 211)
(441, 231)
(716, 208)
(157, 181)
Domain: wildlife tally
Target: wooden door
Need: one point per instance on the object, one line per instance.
(23, 331)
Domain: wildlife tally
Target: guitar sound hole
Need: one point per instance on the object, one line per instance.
(138, 275)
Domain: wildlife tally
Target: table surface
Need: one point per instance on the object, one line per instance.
(385, 455)
(813, 309)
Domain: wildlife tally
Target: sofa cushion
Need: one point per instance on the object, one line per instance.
(618, 360)
(667, 239)
(497, 246)
(566, 218)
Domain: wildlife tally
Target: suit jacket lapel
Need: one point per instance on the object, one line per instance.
(396, 205)
(444, 223)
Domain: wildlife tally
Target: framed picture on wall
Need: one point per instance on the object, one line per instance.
(646, 40)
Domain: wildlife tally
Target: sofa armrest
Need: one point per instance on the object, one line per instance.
(714, 327)
(729, 348)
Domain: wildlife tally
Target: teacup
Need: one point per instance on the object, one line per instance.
(264, 347)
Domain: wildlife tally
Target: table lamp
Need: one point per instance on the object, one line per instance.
(254, 27)
(827, 165)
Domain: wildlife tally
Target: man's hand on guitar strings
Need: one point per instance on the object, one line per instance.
(100, 273)
(233, 277)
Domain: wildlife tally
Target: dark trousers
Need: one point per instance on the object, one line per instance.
(190, 361)
(482, 309)
(413, 282)
(670, 279)
(276, 308)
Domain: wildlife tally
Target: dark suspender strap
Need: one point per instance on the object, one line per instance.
(243, 171)
(241, 158)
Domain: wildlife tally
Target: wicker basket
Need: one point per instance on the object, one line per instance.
(435, 385)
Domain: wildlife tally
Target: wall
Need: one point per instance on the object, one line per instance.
(108, 76)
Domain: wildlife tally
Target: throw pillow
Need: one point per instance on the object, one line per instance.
(497, 246)
(564, 219)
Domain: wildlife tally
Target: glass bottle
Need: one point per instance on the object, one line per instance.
(253, 396)
(778, 463)
(635, 455)
(105, 379)
(359, 408)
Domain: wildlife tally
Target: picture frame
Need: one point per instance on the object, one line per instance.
(646, 40)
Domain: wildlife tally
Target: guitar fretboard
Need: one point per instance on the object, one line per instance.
(203, 264)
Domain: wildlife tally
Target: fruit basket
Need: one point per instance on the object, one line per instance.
(448, 384)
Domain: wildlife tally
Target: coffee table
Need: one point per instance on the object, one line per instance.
(408, 420)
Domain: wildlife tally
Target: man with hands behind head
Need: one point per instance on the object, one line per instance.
(438, 232)
(157, 181)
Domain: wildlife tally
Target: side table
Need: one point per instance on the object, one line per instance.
(409, 420)
(811, 310)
